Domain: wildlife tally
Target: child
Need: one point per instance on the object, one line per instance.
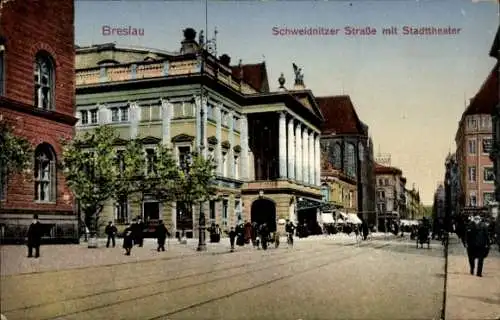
(232, 237)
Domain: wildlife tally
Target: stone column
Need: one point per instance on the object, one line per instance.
(230, 154)
(166, 117)
(244, 147)
(218, 135)
(197, 108)
(135, 113)
(282, 145)
(305, 156)
(311, 158)
(298, 152)
(291, 150)
(317, 159)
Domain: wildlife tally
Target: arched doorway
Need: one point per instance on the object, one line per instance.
(264, 211)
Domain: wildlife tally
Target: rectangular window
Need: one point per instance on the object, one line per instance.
(124, 114)
(183, 153)
(93, 116)
(386, 182)
(236, 167)
(224, 213)
(121, 212)
(488, 197)
(120, 160)
(488, 174)
(472, 123)
(472, 146)
(115, 115)
(150, 161)
(84, 117)
(325, 193)
(2, 70)
(487, 142)
(472, 199)
(212, 211)
(472, 174)
(210, 112)
(155, 113)
(237, 211)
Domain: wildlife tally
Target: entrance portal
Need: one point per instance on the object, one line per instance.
(264, 211)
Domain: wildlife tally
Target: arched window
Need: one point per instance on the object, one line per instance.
(337, 156)
(45, 173)
(361, 152)
(44, 82)
(350, 160)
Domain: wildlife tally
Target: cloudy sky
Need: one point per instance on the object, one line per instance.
(410, 90)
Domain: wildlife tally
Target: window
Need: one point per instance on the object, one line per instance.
(487, 142)
(44, 82)
(120, 114)
(472, 174)
(121, 212)
(351, 199)
(45, 174)
(224, 164)
(350, 160)
(380, 182)
(381, 194)
(212, 211)
(115, 115)
(472, 123)
(325, 192)
(237, 210)
(124, 113)
(210, 112)
(488, 174)
(2, 71)
(472, 199)
(386, 182)
(150, 161)
(120, 160)
(236, 167)
(488, 197)
(361, 152)
(471, 146)
(183, 153)
(224, 213)
(337, 156)
(93, 116)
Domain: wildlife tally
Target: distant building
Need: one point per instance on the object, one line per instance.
(413, 204)
(452, 184)
(383, 159)
(348, 148)
(37, 97)
(438, 208)
(391, 201)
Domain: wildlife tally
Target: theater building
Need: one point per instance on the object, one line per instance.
(157, 96)
(37, 99)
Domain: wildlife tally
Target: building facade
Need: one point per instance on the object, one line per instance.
(413, 204)
(255, 136)
(37, 99)
(391, 200)
(495, 152)
(348, 148)
(338, 190)
(474, 142)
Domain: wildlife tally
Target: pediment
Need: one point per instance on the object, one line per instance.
(150, 140)
(212, 140)
(226, 144)
(183, 138)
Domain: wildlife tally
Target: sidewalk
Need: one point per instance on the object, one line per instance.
(471, 297)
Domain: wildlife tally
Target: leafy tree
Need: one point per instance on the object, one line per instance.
(16, 154)
(144, 173)
(194, 184)
(90, 171)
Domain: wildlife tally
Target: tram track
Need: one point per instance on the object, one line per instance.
(27, 312)
(316, 255)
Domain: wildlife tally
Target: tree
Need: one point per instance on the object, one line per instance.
(89, 167)
(153, 173)
(196, 184)
(16, 154)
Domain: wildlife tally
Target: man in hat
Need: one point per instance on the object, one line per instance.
(35, 233)
(477, 243)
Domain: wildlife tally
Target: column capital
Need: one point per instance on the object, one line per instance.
(282, 114)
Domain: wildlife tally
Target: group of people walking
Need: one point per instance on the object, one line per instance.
(134, 235)
(258, 235)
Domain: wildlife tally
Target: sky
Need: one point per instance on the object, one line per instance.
(409, 90)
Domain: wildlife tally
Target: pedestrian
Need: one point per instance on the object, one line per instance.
(35, 233)
(218, 232)
(161, 234)
(255, 228)
(264, 235)
(211, 230)
(477, 244)
(364, 227)
(128, 238)
(232, 238)
(248, 232)
(140, 232)
(111, 232)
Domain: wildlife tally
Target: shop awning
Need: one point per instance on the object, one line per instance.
(353, 218)
(327, 218)
(308, 203)
(342, 215)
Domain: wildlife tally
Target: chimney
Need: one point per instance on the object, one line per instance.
(189, 44)
(225, 60)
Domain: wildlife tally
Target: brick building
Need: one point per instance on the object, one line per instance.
(37, 98)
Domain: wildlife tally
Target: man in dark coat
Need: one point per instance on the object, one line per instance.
(111, 232)
(232, 237)
(161, 234)
(128, 238)
(477, 243)
(139, 233)
(264, 235)
(35, 233)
